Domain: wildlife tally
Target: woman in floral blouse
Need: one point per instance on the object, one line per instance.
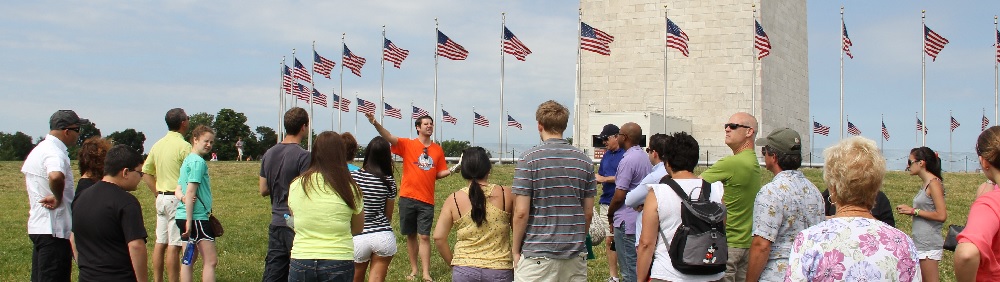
(853, 245)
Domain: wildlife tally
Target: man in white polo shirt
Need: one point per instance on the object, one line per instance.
(49, 180)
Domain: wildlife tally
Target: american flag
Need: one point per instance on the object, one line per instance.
(300, 92)
(392, 112)
(821, 129)
(933, 43)
(595, 40)
(343, 104)
(393, 54)
(676, 38)
(852, 129)
(301, 72)
(954, 124)
(449, 49)
(418, 112)
(322, 65)
(352, 61)
(514, 46)
(998, 46)
(319, 98)
(287, 79)
(481, 120)
(885, 132)
(448, 118)
(366, 107)
(761, 42)
(920, 126)
(986, 123)
(512, 122)
(847, 44)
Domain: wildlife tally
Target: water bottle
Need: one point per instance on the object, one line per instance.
(289, 221)
(188, 254)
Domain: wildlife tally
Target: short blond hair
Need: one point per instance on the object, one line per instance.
(552, 116)
(854, 168)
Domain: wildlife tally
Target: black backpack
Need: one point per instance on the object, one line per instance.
(699, 245)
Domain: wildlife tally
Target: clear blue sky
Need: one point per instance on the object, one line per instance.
(123, 64)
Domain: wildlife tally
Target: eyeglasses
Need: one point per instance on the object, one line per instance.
(764, 150)
(649, 150)
(734, 126)
(75, 129)
(141, 174)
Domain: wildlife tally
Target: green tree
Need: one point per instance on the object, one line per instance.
(266, 137)
(86, 131)
(229, 125)
(195, 120)
(130, 137)
(454, 148)
(15, 147)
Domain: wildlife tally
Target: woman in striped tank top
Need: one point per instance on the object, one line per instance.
(481, 217)
(376, 244)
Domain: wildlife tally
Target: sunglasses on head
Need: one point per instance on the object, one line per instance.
(734, 126)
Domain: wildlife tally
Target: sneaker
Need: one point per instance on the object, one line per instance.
(612, 279)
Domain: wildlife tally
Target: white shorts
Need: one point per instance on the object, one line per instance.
(166, 226)
(381, 244)
(933, 255)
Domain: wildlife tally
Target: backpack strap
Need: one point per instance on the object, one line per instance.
(676, 187)
(706, 191)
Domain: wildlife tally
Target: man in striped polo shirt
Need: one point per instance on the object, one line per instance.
(555, 186)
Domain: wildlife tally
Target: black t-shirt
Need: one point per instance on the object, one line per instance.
(81, 185)
(105, 219)
(279, 166)
(882, 210)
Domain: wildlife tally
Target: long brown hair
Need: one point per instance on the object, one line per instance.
(328, 160)
(91, 156)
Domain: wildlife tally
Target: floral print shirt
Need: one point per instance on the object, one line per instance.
(783, 208)
(853, 249)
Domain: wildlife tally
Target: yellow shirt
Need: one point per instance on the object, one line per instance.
(322, 221)
(486, 246)
(165, 159)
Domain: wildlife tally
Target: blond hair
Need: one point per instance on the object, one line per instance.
(552, 116)
(854, 168)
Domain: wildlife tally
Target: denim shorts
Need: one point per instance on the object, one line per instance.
(320, 270)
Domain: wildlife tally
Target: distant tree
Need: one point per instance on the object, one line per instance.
(569, 140)
(86, 131)
(229, 125)
(15, 147)
(454, 148)
(130, 137)
(265, 138)
(195, 120)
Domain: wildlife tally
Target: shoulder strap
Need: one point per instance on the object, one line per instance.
(503, 198)
(676, 187)
(706, 190)
(454, 198)
(199, 200)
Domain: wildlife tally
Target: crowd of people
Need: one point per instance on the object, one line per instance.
(330, 220)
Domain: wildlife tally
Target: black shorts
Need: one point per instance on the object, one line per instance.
(202, 230)
(415, 216)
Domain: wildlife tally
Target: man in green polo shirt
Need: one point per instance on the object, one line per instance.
(162, 168)
(740, 173)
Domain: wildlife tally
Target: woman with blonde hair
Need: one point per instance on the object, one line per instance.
(853, 245)
(978, 250)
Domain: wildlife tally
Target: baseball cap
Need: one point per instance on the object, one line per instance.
(609, 129)
(65, 118)
(783, 141)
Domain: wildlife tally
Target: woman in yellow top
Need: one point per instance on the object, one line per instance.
(481, 216)
(326, 206)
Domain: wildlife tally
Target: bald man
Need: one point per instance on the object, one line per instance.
(633, 167)
(740, 174)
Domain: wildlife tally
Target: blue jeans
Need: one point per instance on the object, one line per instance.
(279, 251)
(320, 270)
(625, 246)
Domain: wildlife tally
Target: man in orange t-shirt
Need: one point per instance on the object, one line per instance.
(423, 164)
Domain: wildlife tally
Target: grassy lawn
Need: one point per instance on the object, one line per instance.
(246, 216)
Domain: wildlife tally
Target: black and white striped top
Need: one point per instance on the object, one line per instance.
(375, 194)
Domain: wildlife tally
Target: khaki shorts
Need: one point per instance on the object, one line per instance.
(546, 269)
(166, 226)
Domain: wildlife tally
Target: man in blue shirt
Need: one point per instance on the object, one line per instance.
(606, 176)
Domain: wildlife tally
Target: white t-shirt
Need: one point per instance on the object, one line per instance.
(49, 156)
(668, 207)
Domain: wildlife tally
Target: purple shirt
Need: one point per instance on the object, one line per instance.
(631, 170)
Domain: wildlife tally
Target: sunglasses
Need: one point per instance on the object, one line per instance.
(425, 150)
(649, 150)
(911, 162)
(734, 126)
(141, 174)
(74, 129)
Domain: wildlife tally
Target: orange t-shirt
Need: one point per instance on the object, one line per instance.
(420, 167)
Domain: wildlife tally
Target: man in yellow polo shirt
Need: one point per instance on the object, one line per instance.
(162, 168)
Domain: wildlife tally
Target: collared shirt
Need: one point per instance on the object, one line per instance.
(784, 207)
(609, 167)
(50, 155)
(164, 160)
(637, 196)
(633, 168)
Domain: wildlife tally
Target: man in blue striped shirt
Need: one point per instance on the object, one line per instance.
(555, 187)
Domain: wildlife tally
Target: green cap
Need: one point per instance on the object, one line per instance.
(783, 141)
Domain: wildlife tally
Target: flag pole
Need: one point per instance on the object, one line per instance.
(441, 128)
(473, 126)
(812, 141)
(665, 70)
(841, 72)
(411, 118)
(881, 142)
(503, 25)
(579, 72)
(951, 153)
(312, 84)
(335, 105)
(437, 33)
(381, 81)
(356, 109)
(753, 87)
(923, 72)
(281, 101)
(916, 136)
(295, 102)
(340, 114)
(505, 145)
(996, 73)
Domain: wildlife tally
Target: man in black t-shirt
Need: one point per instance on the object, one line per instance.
(279, 166)
(108, 231)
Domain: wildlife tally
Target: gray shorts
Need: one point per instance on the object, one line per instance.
(471, 274)
(415, 216)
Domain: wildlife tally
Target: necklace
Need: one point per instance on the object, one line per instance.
(853, 211)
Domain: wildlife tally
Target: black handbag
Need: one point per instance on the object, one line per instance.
(951, 241)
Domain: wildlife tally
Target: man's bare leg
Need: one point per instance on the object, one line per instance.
(173, 262)
(425, 255)
(411, 251)
(158, 250)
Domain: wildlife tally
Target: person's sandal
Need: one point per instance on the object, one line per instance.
(428, 280)
(411, 277)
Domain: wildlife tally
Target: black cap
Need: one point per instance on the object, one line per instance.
(609, 129)
(65, 118)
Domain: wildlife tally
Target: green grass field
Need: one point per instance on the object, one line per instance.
(246, 216)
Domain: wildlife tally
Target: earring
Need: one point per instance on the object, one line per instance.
(829, 198)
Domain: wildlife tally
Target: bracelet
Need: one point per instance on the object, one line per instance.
(916, 212)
